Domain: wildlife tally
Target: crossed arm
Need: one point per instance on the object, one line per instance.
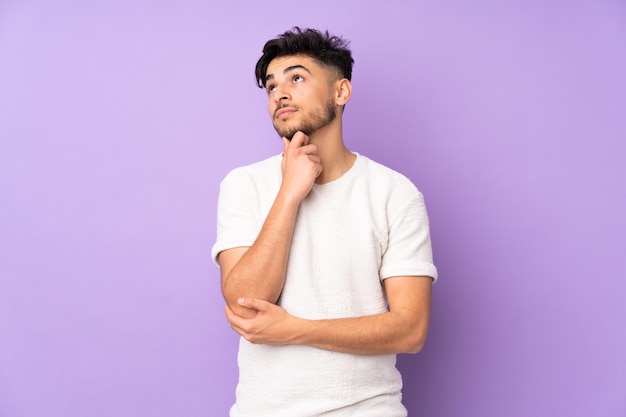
(402, 329)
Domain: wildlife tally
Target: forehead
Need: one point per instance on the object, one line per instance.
(280, 64)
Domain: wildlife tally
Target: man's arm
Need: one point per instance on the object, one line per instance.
(402, 329)
(258, 271)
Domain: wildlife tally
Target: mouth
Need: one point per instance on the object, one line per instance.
(283, 112)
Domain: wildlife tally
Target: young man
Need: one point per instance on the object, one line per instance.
(325, 255)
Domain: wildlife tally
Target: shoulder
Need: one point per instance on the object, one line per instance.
(386, 178)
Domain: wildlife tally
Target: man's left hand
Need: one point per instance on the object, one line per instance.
(272, 325)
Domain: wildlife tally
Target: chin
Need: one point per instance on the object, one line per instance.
(288, 133)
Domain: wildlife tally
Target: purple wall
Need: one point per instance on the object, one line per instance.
(118, 119)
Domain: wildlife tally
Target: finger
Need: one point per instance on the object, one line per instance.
(285, 144)
(315, 158)
(253, 303)
(310, 149)
(237, 330)
(236, 323)
(299, 139)
(231, 316)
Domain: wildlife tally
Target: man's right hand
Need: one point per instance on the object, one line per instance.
(301, 165)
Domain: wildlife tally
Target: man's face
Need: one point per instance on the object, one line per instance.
(300, 95)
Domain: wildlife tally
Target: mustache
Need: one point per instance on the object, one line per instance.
(283, 106)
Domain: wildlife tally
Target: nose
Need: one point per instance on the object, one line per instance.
(281, 93)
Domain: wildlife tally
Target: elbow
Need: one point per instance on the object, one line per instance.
(415, 341)
(239, 310)
(229, 296)
(233, 304)
(415, 347)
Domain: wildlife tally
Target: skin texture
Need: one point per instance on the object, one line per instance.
(304, 96)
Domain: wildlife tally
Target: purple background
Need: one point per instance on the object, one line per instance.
(118, 119)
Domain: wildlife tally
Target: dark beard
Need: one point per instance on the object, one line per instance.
(314, 123)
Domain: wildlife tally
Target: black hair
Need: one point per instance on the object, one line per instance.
(329, 51)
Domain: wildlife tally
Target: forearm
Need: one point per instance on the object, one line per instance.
(384, 333)
(402, 329)
(260, 272)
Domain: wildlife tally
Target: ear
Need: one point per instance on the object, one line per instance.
(343, 91)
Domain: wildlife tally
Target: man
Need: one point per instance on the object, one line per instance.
(325, 255)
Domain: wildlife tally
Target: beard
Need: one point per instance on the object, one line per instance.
(317, 120)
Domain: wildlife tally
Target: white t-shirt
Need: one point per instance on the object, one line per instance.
(350, 234)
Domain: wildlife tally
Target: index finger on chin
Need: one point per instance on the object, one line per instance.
(299, 139)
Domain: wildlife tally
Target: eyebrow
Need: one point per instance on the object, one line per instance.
(286, 70)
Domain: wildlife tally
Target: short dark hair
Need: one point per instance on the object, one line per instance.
(329, 51)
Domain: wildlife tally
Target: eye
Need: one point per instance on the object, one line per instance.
(270, 88)
(297, 78)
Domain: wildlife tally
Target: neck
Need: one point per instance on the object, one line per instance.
(336, 158)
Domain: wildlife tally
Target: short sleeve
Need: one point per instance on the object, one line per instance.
(409, 251)
(237, 222)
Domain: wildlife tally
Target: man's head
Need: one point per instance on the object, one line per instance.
(307, 78)
(329, 51)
